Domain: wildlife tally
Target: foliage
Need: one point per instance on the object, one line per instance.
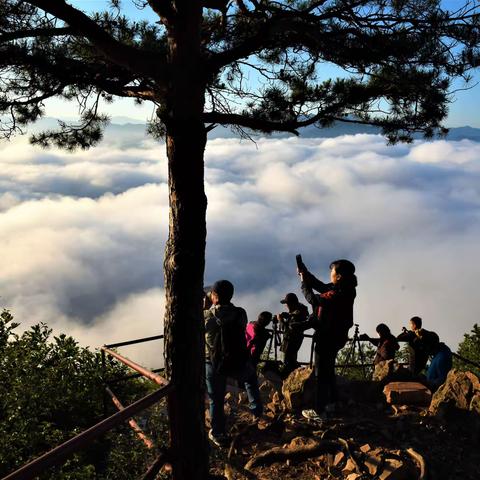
(261, 65)
(52, 389)
(469, 348)
(359, 354)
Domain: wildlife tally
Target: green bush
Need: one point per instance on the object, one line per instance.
(469, 348)
(52, 389)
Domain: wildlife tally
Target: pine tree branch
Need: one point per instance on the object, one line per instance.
(67, 71)
(133, 59)
(35, 32)
(256, 123)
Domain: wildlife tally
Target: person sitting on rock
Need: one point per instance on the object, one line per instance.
(422, 343)
(331, 320)
(292, 323)
(386, 344)
(257, 336)
(227, 356)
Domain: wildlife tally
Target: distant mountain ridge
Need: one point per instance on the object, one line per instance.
(126, 126)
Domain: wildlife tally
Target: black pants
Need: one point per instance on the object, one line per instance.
(325, 382)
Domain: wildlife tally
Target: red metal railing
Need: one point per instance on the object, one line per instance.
(59, 454)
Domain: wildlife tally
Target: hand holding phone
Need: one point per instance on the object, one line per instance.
(300, 265)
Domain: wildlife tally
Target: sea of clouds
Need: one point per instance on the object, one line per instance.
(82, 235)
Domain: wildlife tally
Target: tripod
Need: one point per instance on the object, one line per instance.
(350, 356)
(275, 341)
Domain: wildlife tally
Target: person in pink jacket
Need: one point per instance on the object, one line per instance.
(258, 336)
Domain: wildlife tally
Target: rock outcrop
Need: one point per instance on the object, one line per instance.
(298, 389)
(461, 391)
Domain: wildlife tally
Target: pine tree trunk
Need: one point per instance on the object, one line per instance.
(185, 252)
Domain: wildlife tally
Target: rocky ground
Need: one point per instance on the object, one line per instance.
(368, 439)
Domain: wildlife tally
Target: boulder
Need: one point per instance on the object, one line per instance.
(384, 370)
(407, 393)
(298, 389)
(390, 371)
(460, 393)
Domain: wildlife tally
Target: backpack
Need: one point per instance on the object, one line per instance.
(429, 341)
(229, 354)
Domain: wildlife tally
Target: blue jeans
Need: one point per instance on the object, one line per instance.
(439, 367)
(216, 389)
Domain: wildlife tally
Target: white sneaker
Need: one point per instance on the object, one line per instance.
(313, 416)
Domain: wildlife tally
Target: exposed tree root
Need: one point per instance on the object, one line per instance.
(234, 470)
(346, 446)
(296, 453)
(420, 461)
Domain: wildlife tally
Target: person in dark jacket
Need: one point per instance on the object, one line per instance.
(257, 336)
(292, 325)
(331, 320)
(386, 344)
(227, 356)
(421, 342)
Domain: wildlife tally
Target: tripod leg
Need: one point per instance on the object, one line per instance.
(269, 347)
(350, 354)
(362, 358)
(275, 342)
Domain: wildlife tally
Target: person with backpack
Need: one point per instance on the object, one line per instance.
(227, 356)
(422, 344)
(331, 320)
(425, 344)
(257, 336)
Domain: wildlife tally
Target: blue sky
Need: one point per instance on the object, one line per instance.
(463, 111)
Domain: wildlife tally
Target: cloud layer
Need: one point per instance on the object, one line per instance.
(82, 235)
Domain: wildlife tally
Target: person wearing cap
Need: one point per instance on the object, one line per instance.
(292, 324)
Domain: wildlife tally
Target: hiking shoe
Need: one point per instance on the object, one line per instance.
(218, 440)
(313, 416)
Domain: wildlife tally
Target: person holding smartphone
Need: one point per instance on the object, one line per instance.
(331, 320)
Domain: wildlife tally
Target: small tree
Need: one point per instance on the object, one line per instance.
(469, 348)
(258, 65)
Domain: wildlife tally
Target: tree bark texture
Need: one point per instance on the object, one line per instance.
(185, 251)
